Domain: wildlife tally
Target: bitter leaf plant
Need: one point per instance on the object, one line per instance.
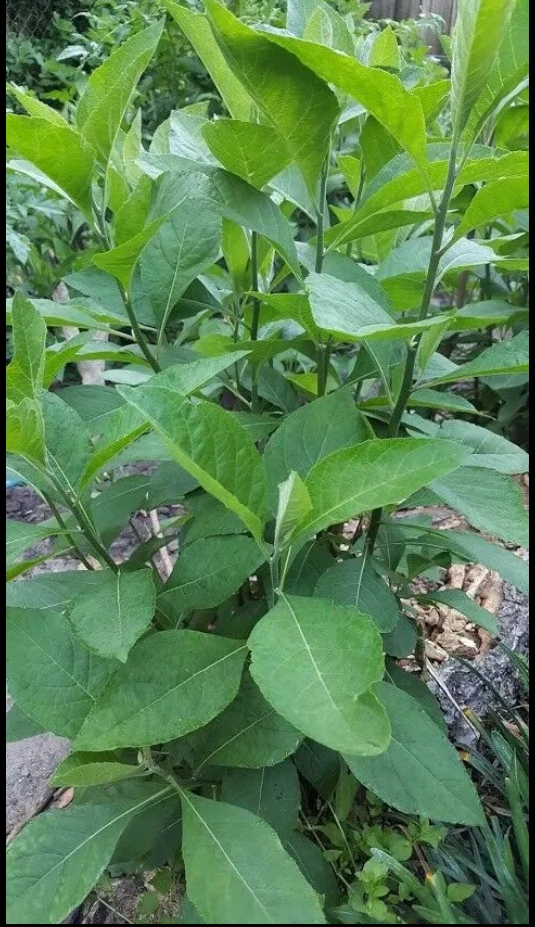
(277, 380)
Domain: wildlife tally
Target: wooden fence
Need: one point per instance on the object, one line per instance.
(410, 9)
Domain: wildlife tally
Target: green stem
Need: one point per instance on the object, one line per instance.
(410, 363)
(256, 315)
(324, 358)
(356, 204)
(92, 537)
(61, 521)
(102, 233)
(320, 216)
(324, 351)
(136, 328)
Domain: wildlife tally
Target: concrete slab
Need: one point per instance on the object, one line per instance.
(29, 765)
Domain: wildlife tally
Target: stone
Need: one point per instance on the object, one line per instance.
(467, 689)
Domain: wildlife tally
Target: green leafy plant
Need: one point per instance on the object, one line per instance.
(415, 873)
(277, 370)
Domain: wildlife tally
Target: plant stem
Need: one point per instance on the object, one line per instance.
(320, 216)
(256, 315)
(429, 289)
(139, 336)
(324, 353)
(91, 535)
(61, 521)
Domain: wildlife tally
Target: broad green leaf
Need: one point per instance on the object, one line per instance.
(253, 151)
(134, 211)
(88, 769)
(311, 433)
(258, 351)
(239, 850)
(272, 794)
(276, 389)
(169, 484)
(22, 534)
(112, 507)
(154, 826)
(355, 582)
(509, 70)
(504, 357)
(126, 423)
(110, 88)
(298, 14)
(345, 269)
(82, 313)
(489, 312)
(382, 94)
(401, 642)
(384, 52)
(435, 399)
(429, 343)
(490, 450)
(378, 148)
(182, 136)
(461, 602)
(233, 199)
(432, 97)
(350, 314)
(93, 403)
(327, 27)
(20, 726)
(24, 375)
(420, 772)
(198, 32)
(315, 868)
(209, 518)
(67, 443)
(171, 192)
(25, 438)
(189, 914)
(132, 150)
(243, 204)
(403, 272)
(249, 734)
(398, 181)
(53, 678)
(207, 572)
(184, 246)
(210, 445)
(56, 861)
(121, 427)
(143, 705)
(315, 663)
(301, 98)
(491, 501)
(110, 616)
(374, 474)
(23, 566)
(40, 141)
(294, 506)
(34, 106)
(418, 690)
(49, 591)
(479, 28)
(500, 198)
(288, 306)
(320, 766)
(472, 547)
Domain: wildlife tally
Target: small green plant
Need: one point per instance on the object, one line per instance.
(476, 876)
(281, 368)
